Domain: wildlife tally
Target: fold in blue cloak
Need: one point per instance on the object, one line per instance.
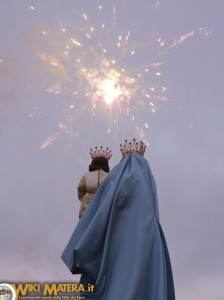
(119, 242)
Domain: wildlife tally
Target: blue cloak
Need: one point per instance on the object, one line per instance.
(119, 242)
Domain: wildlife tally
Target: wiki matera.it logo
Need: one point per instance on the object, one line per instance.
(7, 292)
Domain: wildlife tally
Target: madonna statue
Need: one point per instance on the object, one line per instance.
(90, 182)
(119, 243)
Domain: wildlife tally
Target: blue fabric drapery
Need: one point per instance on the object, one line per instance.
(119, 242)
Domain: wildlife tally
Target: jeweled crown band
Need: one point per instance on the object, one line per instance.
(133, 146)
(100, 152)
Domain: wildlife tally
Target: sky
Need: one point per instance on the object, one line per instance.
(162, 62)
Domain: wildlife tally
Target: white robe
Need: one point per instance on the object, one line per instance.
(88, 186)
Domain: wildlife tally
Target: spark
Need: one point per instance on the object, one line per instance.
(161, 98)
(76, 42)
(114, 15)
(35, 112)
(53, 89)
(126, 41)
(205, 31)
(49, 140)
(44, 32)
(62, 28)
(181, 39)
(141, 134)
(32, 8)
(49, 59)
(128, 35)
(146, 125)
(85, 17)
(62, 126)
(153, 107)
(157, 4)
(155, 64)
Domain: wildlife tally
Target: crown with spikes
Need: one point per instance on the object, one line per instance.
(100, 152)
(130, 147)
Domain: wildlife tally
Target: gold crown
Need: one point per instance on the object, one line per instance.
(100, 153)
(133, 146)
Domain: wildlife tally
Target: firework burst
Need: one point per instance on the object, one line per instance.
(97, 65)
